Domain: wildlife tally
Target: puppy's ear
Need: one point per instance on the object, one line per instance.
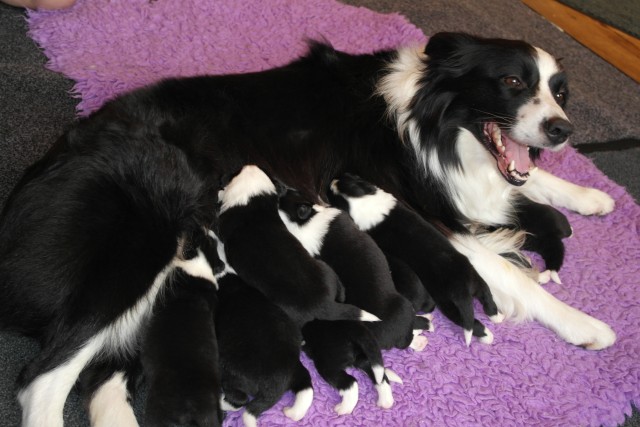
(281, 187)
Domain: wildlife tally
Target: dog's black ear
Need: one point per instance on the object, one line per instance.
(445, 45)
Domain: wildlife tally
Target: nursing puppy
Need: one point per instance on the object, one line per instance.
(259, 351)
(400, 232)
(334, 346)
(263, 253)
(180, 357)
(331, 235)
(88, 240)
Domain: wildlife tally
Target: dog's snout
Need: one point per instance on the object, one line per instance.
(557, 129)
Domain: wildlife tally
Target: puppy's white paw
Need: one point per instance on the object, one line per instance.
(385, 396)
(419, 342)
(349, 400)
(544, 277)
(497, 318)
(594, 202)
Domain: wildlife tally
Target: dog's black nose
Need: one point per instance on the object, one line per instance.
(557, 130)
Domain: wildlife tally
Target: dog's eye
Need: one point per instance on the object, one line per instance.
(513, 82)
(561, 97)
(304, 211)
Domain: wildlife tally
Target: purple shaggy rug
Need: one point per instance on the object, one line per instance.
(528, 376)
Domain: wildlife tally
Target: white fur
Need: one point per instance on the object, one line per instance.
(543, 187)
(249, 420)
(419, 342)
(520, 297)
(542, 107)
(478, 190)
(109, 406)
(392, 376)
(488, 338)
(467, 337)
(226, 406)
(303, 401)
(250, 182)
(349, 400)
(43, 399)
(385, 395)
(378, 373)
(370, 210)
(197, 266)
(311, 233)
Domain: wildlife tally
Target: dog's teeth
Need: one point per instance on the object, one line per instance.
(512, 166)
(496, 134)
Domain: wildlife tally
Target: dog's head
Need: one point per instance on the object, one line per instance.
(508, 94)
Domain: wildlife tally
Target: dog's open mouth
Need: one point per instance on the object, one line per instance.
(513, 158)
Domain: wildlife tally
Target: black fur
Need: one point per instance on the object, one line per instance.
(446, 274)
(259, 348)
(547, 227)
(261, 250)
(364, 272)
(180, 357)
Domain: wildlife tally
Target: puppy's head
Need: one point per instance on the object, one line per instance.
(367, 204)
(250, 182)
(295, 207)
(508, 93)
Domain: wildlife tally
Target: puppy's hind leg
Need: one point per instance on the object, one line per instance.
(301, 386)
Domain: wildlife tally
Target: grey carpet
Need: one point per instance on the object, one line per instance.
(35, 107)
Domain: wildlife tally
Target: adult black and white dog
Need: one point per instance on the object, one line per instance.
(451, 130)
(87, 242)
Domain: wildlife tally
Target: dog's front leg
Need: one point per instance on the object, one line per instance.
(544, 187)
(520, 297)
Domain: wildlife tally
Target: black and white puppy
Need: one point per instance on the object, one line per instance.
(180, 353)
(87, 242)
(400, 232)
(335, 345)
(264, 254)
(259, 351)
(332, 236)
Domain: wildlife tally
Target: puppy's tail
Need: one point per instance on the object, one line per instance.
(339, 311)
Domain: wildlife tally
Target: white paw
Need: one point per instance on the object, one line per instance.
(588, 332)
(497, 318)
(349, 400)
(555, 277)
(419, 342)
(385, 396)
(594, 202)
(392, 376)
(488, 338)
(544, 277)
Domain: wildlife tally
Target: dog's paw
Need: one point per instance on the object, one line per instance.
(349, 400)
(594, 202)
(548, 275)
(385, 396)
(419, 342)
(588, 332)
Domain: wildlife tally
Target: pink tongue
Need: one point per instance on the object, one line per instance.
(517, 152)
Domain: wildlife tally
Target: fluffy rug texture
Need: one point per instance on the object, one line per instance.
(528, 376)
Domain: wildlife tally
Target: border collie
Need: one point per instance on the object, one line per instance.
(410, 239)
(331, 235)
(259, 352)
(264, 254)
(180, 357)
(87, 242)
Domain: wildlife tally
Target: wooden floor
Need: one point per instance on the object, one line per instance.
(616, 47)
